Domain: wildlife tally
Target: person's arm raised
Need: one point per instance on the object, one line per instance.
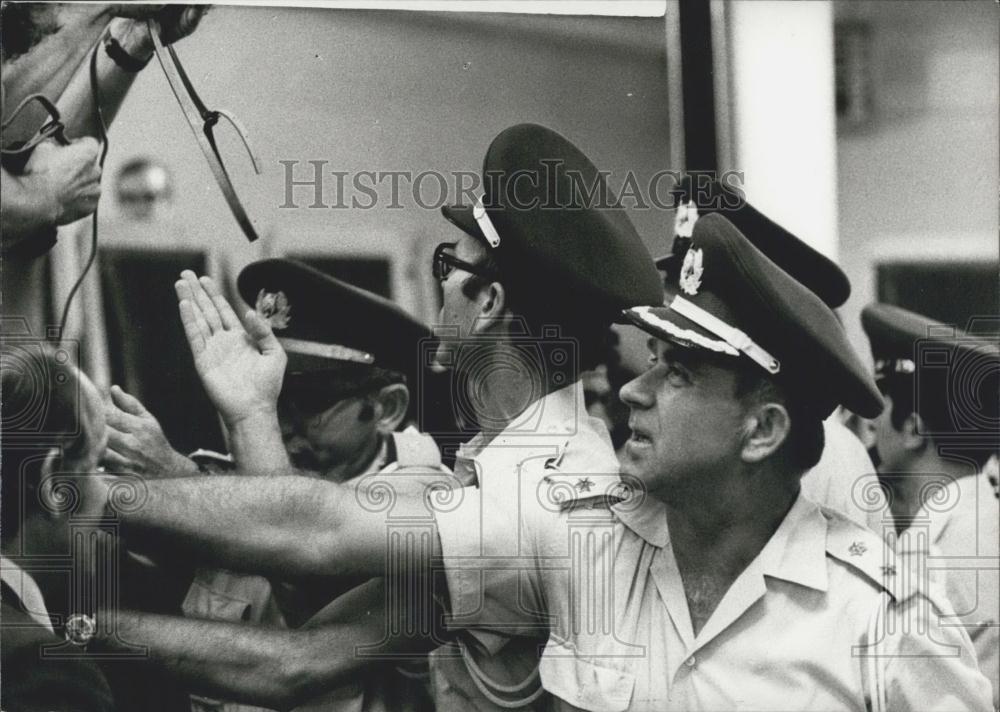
(241, 367)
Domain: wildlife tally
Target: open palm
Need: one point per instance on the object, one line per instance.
(241, 368)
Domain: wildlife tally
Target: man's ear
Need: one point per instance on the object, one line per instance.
(391, 405)
(492, 307)
(765, 428)
(913, 432)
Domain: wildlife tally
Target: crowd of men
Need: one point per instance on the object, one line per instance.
(739, 551)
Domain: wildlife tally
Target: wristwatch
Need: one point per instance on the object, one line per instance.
(122, 58)
(80, 629)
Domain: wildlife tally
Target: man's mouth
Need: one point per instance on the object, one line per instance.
(639, 437)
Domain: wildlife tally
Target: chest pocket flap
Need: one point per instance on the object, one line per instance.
(583, 683)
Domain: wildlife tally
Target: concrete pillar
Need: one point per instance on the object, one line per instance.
(782, 118)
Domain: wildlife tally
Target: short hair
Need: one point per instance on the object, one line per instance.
(804, 444)
(940, 423)
(41, 408)
(589, 328)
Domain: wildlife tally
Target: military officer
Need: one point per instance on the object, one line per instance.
(934, 439)
(732, 590)
(531, 279)
(716, 584)
(844, 478)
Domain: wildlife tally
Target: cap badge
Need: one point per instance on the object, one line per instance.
(485, 224)
(274, 307)
(685, 218)
(691, 271)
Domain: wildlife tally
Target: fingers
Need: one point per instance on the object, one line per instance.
(260, 331)
(201, 299)
(226, 313)
(129, 403)
(113, 462)
(195, 327)
(124, 445)
(178, 21)
(119, 420)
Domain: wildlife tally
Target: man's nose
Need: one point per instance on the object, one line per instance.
(635, 394)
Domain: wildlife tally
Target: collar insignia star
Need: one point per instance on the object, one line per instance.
(857, 549)
(274, 307)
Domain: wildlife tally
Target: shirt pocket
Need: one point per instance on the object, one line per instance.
(583, 683)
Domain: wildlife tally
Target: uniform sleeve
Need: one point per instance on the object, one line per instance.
(489, 561)
(931, 664)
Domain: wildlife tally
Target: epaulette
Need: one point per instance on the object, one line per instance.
(583, 491)
(211, 461)
(865, 552)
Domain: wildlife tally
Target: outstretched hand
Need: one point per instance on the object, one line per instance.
(241, 365)
(137, 443)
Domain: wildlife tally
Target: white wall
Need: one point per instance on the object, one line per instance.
(783, 122)
(921, 182)
(392, 91)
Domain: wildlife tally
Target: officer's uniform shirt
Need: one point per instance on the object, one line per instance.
(493, 663)
(27, 592)
(844, 479)
(782, 638)
(964, 530)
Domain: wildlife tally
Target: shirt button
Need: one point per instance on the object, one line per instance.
(690, 662)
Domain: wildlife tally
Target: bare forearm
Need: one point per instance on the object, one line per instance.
(26, 206)
(256, 665)
(257, 446)
(76, 103)
(284, 527)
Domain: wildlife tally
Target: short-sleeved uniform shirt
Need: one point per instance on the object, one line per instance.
(962, 541)
(844, 479)
(791, 633)
(493, 663)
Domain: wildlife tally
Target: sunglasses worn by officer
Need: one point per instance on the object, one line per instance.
(445, 263)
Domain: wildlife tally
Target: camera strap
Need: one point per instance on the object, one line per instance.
(202, 120)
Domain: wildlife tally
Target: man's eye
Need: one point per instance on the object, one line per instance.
(674, 370)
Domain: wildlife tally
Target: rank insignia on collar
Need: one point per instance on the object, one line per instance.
(684, 220)
(584, 484)
(691, 271)
(274, 307)
(857, 549)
